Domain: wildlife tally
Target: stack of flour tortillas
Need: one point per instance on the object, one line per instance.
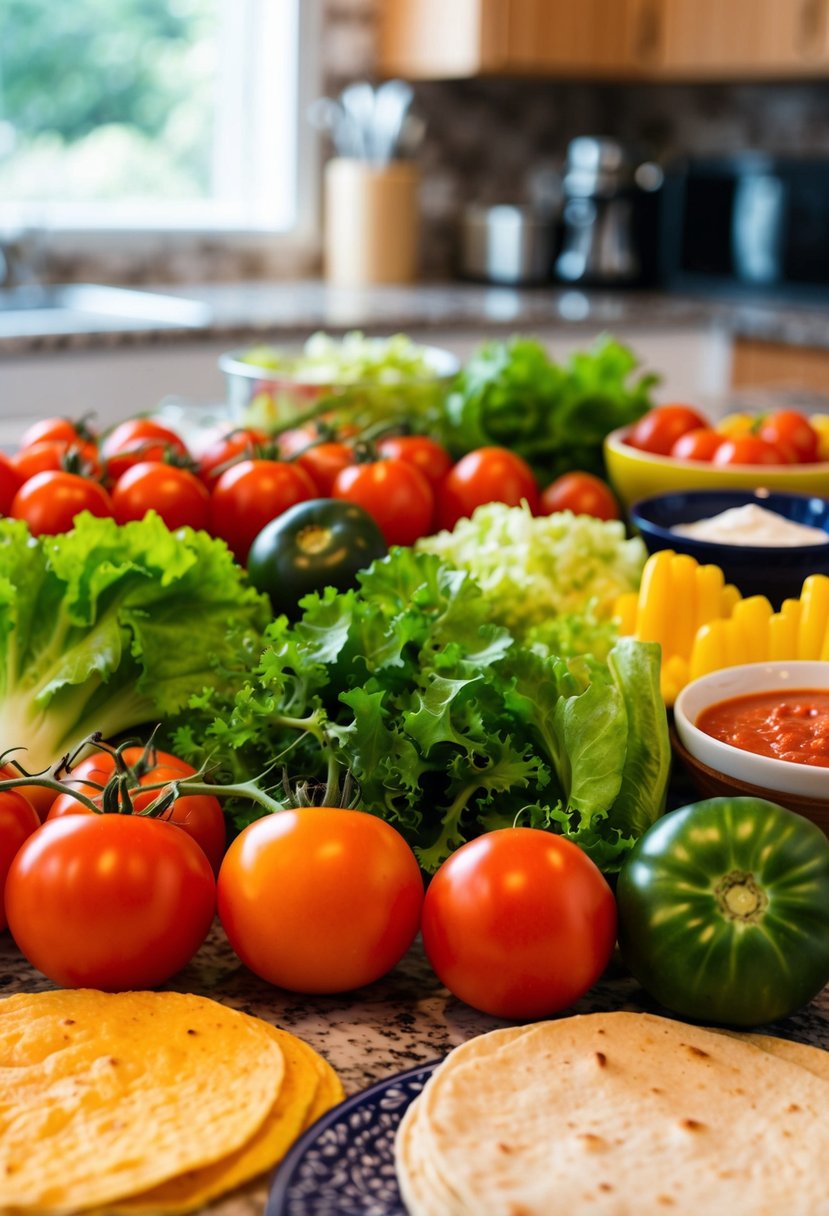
(621, 1114)
(145, 1102)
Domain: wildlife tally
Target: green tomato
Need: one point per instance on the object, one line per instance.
(724, 911)
(320, 543)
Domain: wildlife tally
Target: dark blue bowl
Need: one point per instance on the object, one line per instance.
(777, 573)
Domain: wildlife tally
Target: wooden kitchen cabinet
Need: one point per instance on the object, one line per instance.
(605, 39)
(435, 39)
(742, 38)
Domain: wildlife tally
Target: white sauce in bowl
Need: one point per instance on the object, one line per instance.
(752, 525)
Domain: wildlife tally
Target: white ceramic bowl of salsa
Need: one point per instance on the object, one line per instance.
(735, 685)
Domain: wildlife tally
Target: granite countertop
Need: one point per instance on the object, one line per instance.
(243, 312)
(403, 1020)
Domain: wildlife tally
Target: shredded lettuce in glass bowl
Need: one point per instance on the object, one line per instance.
(363, 380)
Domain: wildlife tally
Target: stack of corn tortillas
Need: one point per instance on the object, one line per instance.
(145, 1102)
(620, 1114)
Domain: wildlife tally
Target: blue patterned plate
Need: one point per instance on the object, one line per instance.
(344, 1164)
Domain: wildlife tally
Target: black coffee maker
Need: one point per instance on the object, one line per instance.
(610, 216)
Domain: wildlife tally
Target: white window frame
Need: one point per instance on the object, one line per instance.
(246, 145)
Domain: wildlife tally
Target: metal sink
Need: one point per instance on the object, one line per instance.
(91, 308)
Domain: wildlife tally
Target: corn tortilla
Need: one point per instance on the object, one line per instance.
(105, 1095)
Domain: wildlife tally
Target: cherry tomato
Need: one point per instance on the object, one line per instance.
(660, 428)
(10, 483)
(320, 899)
(175, 494)
(252, 493)
(322, 462)
(397, 497)
(49, 502)
(18, 819)
(114, 902)
(227, 450)
(792, 434)
(485, 475)
(581, 493)
(519, 923)
(52, 454)
(63, 429)
(747, 449)
(427, 455)
(40, 796)
(700, 444)
(199, 815)
(137, 440)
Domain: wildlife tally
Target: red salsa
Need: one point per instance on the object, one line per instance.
(790, 726)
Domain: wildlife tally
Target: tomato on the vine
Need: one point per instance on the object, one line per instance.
(396, 495)
(581, 493)
(747, 449)
(53, 454)
(320, 899)
(519, 923)
(485, 475)
(113, 902)
(136, 440)
(791, 433)
(427, 455)
(18, 820)
(63, 429)
(10, 483)
(702, 443)
(227, 450)
(199, 815)
(252, 493)
(175, 494)
(658, 430)
(323, 461)
(49, 502)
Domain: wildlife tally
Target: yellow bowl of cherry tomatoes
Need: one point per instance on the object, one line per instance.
(674, 447)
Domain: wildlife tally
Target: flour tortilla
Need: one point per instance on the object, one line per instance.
(620, 1114)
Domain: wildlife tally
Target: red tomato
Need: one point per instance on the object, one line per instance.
(52, 454)
(18, 819)
(137, 440)
(519, 923)
(10, 483)
(251, 494)
(426, 454)
(700, 444)
(320, 899)
(581, 493)
(791, 433)
(296, 440)
(323, 461)
(485, 475)
(40, 796)
(660, 428)
(227, 450)
(397, 497)
(115, 902)
(56, 428)
(49, 502)
(175, 494)
(747, 449)
(199, 815)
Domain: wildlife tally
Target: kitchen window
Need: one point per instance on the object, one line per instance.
(156, 115)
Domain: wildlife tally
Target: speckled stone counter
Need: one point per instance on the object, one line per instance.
(241, 312)
(403, 1020)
